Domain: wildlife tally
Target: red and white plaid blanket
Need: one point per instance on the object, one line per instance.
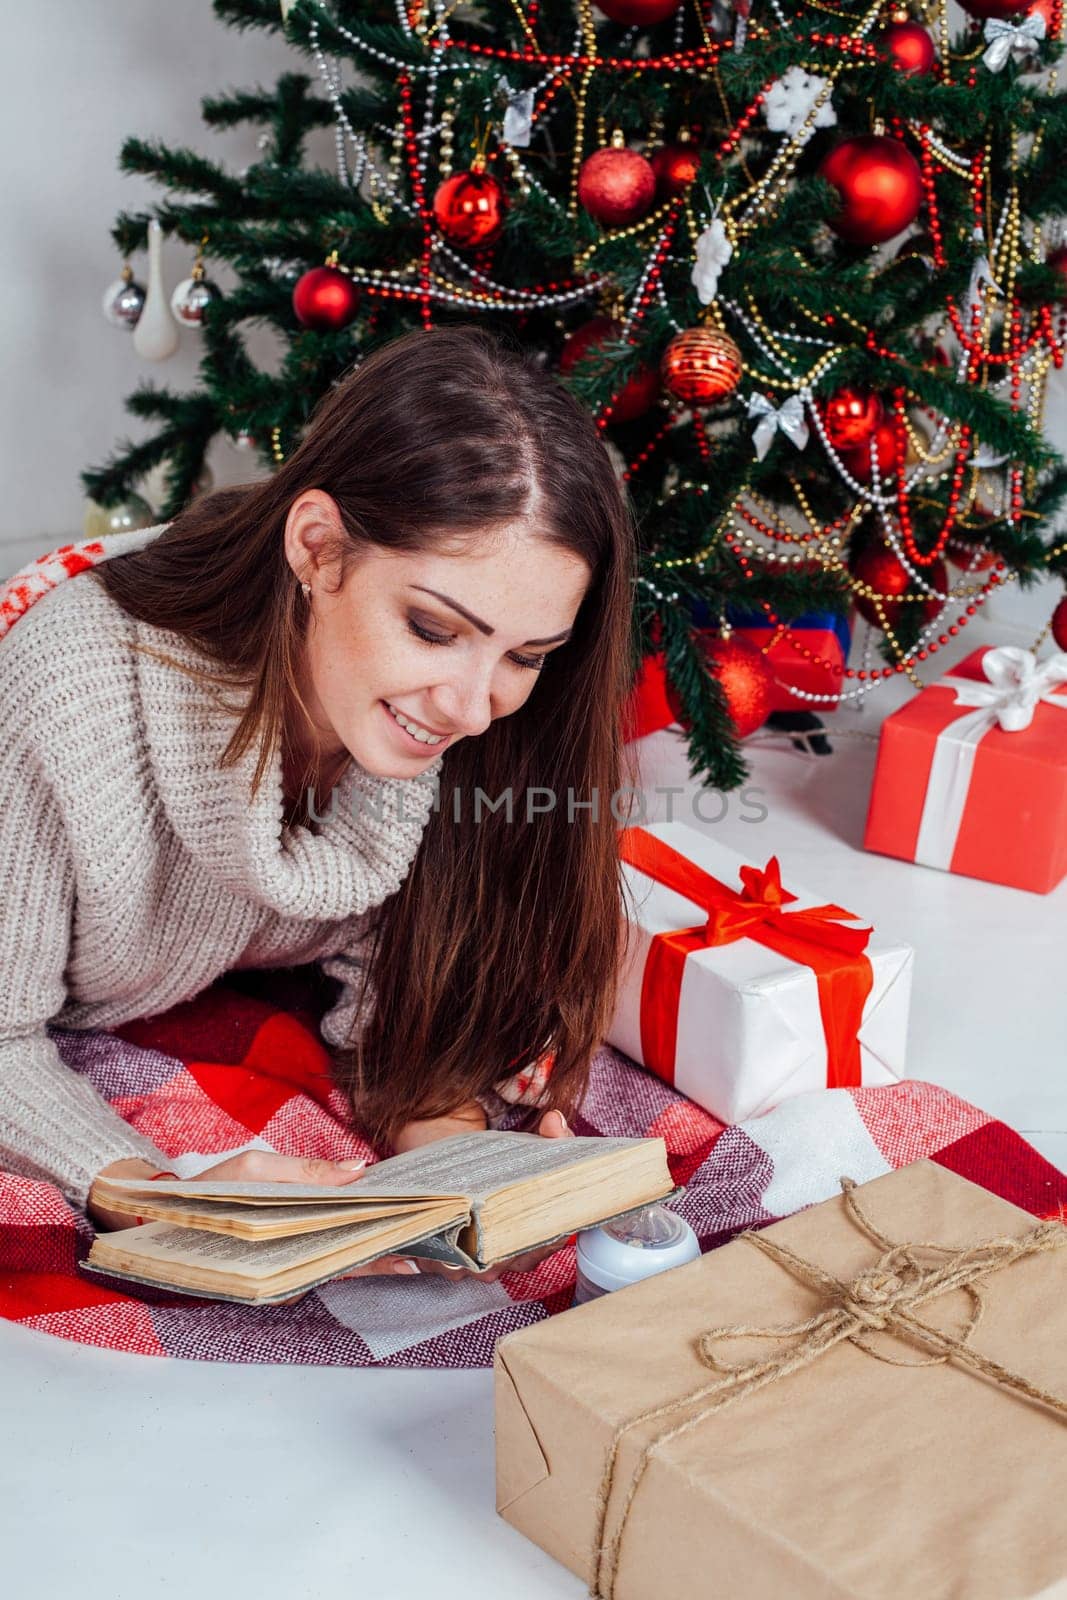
(230, 1071)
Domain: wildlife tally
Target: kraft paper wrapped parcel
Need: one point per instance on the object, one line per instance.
(844, 1477)
(740, 988)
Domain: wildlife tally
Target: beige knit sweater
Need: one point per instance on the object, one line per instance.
(134, 871)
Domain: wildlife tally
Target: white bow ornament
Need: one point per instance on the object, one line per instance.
(518, 118)
(1015, 685)
(1006, 39)
(789, 417)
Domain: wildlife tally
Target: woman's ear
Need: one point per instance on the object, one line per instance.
(314, 539)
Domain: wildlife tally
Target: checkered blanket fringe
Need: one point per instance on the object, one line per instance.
(230, 1071)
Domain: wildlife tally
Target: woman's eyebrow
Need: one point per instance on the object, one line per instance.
(478, 623)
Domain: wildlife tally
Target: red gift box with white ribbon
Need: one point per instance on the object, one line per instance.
(740, 987)
(972, 773)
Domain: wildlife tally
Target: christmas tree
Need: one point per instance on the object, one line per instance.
(803, 261)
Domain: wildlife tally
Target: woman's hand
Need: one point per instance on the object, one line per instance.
(472, 1115)
(253, 1166)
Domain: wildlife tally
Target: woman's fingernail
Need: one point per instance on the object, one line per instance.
(351, 1166)
(406, 1266)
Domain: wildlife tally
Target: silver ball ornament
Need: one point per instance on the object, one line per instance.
(133, 512)
(123, 301)
(191, 298)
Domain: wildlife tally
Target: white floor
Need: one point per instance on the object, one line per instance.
(124, 1476)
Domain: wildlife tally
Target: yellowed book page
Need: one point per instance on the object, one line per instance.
(263, 1222)
(468, 1166)
(158, 1245)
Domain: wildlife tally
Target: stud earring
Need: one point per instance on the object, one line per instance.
(306, 587)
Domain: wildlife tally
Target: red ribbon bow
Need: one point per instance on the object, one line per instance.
(814, 938)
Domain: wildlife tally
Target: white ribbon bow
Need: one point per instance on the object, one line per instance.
(1015, 685)
(789, 417)
(1012, 38)
(518, 118)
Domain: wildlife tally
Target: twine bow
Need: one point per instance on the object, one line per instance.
(881, 1297)
(1011, 38)
(1015, 685)
(789, 417)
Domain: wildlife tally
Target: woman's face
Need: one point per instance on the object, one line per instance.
(386, 644)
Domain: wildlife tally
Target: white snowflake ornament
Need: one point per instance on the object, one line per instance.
(713, 252)
(789, 100)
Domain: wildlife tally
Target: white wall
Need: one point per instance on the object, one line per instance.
(77, 78)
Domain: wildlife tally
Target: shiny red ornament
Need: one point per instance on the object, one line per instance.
(850, 417)
(638, 13)
(676, 167)
(1003, 9)
(878, 567)
(969, 557)
(616, 185)
(325, 299)
(910, 46)
(469, 209)
(1059, 624)
(880, 185)
(638, 394)
(700, 366)
(858, 462)
(746, 679)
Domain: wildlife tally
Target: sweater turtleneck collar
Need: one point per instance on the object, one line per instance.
(369, 835)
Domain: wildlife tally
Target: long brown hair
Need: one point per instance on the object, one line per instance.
(504, 941)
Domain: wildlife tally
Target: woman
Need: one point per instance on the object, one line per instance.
(259, 739)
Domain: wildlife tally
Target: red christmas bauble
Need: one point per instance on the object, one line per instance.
(877, 567)
(676, 167)
(858, 462)
(616, 185)
(325, 299)
(880, 186)
(469, 209)
(638, 13)
(1002, 9)
(746, 678)
(969, 557)
(1059, 624)
(700, 366)
(638, 394)
(850, 417)
(910, 46)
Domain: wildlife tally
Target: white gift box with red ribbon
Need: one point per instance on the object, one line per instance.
(740, 988)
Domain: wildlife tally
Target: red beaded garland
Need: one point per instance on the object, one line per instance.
(880, 184)
(325, 299)
(616, 186)
(469, 209)
(638, 394)
(701, 365)
(746, 678)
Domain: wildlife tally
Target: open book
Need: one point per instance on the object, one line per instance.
(474, 1200)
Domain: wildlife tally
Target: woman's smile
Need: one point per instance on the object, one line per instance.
(411, 740)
